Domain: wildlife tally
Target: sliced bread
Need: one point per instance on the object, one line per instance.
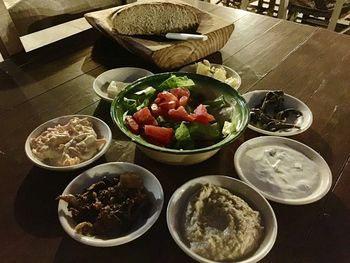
(154, 18)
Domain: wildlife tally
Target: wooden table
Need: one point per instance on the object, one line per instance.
(310, 63)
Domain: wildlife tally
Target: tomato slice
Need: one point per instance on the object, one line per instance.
(165, 101)
(158, 135)
(132, 125)
(183, 101)
(201, 115)
(167, 105)
(166, 96)
(180, 114)
(144, 116)
(180, 92)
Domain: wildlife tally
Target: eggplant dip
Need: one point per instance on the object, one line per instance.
(221, 226)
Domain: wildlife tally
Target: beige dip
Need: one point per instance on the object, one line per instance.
(69, 144)
(221, 226)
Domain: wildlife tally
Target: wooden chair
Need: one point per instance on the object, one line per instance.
(9, 38)
(23, 19)
(312, 14)
(244, 4)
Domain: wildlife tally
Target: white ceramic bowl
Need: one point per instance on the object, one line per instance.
(126, 75)
(254, 97)
(179, 201)
(109, 170)
(229, 72)
(101, 128)
(178, 158)
(301, 188)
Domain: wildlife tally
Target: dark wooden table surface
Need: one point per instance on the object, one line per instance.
(309, 63)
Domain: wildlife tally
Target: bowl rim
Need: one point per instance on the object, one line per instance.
(122, 239)
(280, 133)
(288, 142)
(187, 250)
(97, 88)
(138, 140)
(227, 68)
(41, 128)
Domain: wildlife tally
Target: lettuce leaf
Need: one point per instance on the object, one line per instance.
(201, 131)
(149, 91)
(139, 99)
(130, 104)
(217, 104)
(183, 138)
(174, 82)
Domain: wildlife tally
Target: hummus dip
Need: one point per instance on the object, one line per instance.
(221, 226)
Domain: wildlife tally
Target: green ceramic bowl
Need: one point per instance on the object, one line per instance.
(210, 89)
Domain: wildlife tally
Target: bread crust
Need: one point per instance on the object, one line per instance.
(154, 18)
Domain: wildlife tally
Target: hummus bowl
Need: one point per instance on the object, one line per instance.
(177, 212)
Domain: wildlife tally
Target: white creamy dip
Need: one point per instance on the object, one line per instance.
(280, 171)
(69, 144)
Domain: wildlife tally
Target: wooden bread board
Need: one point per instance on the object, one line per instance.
(168, 54)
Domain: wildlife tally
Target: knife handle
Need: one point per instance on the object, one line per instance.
(183, 36)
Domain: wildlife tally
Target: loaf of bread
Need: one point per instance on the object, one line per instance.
(154, 18)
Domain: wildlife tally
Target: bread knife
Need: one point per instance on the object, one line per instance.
(184, 36)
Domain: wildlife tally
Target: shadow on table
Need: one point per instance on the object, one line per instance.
(156, 245)
(102, 111)
(312, 233)
(35, 206)
(112, 55)
(329, 238)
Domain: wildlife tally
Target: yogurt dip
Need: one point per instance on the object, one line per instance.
(281, 171)
(221, 226)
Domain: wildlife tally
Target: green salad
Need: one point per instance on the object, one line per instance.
(180, 114)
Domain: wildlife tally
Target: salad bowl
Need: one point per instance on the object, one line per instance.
(228, 109)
